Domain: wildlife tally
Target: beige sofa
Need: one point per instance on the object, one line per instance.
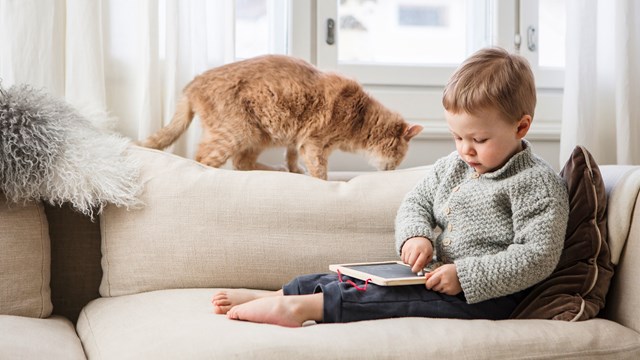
(138, 283)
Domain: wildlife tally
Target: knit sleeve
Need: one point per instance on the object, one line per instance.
(539, 224)
(415, 215)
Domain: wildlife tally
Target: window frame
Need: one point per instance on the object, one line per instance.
(416, 92)
(508, 21)
(405, 75)
(546, 77)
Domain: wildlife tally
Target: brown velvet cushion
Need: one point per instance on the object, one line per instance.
(577, 288)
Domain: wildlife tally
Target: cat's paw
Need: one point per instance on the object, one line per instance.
(279, 168)
(297, 169)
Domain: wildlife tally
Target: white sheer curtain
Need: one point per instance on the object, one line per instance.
(601, 108)
(129, 58)
(32, 38)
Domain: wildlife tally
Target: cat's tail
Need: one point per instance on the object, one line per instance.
(170, 133)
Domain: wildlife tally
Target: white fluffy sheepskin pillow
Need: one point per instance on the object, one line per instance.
(49, 151)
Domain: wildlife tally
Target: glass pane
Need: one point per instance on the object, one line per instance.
(261, 27)
(406, 31)
(552, 23)
(252, 28)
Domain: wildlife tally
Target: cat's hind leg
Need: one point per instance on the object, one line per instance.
(212, 154)
(292, 160)
(247, 159)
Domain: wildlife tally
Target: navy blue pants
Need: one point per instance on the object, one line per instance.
(345, 303)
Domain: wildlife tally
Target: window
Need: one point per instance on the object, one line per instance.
(420, 42)
(402, 32)
(541, 27)
(552, 22)
(423, 15)
(404, 51)
(260, 27)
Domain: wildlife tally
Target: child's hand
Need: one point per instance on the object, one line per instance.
(444, 279)
(417, 252)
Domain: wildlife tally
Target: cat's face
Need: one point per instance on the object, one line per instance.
(392, 148)
(390, 155)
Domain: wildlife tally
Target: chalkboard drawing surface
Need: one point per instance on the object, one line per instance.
(386, 273)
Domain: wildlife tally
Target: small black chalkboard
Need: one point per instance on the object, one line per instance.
(386, 273)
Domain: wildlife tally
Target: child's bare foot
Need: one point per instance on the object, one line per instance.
(291, 311)
(224, 300)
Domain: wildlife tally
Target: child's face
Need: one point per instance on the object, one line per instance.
(485, 140)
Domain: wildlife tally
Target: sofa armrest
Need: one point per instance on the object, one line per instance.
(623, 221)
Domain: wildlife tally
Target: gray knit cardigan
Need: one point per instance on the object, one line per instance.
(504, 230)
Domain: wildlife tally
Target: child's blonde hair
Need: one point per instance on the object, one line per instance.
(492, 77)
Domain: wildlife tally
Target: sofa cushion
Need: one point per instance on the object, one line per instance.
(211, 227)
(25, 259)
(577, 288)
(28, 338)
(179, 324)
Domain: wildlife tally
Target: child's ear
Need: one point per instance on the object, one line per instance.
(411, 131)
(524, 124)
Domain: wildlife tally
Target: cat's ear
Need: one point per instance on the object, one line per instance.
(411, 131)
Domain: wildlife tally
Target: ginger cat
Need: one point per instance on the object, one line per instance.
(275, 100)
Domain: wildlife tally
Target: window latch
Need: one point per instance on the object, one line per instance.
(531, 38)
(331, 31)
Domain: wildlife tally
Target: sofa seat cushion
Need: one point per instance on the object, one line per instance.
(29, 338)
(180, 324)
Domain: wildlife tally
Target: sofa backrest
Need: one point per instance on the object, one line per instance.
(206, 227)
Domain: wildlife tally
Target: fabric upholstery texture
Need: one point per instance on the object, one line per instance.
(577, 288)
(145, 326)
(53, 338)
(25, 259)
(213, 227)
(624, 298)
(623, 188)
